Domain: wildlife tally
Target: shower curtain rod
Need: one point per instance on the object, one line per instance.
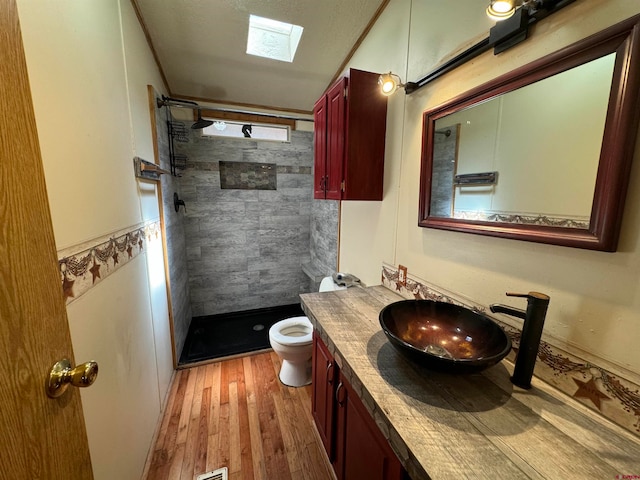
(231, 110)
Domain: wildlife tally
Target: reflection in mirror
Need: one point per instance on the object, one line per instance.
(543, 140)
(542, 153)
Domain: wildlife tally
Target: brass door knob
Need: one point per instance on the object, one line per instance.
(62, 374)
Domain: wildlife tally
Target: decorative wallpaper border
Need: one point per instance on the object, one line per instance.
(100, 258)
(614, 397)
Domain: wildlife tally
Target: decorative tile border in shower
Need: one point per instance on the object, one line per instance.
(83, 266)
(614, 397)
(215, 167)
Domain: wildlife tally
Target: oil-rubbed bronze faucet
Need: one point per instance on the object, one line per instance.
(533, 317)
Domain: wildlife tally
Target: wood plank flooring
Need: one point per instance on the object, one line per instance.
(236, 413)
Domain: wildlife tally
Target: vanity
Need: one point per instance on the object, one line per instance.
(441, 426)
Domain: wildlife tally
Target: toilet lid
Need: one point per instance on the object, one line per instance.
(292, 331)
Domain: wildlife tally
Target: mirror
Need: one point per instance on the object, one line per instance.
(542, 153)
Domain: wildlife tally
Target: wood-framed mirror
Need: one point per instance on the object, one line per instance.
(542, 153)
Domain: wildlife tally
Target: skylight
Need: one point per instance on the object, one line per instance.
(273, 39)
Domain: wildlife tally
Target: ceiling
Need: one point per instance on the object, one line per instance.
(200, 46)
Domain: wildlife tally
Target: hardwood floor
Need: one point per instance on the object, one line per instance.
(237, 414)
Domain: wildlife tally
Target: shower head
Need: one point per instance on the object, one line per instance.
(201, 122)
(173, 102)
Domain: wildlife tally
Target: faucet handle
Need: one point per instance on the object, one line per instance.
(530, 295)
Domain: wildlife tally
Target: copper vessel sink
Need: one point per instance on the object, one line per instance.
(443, 336)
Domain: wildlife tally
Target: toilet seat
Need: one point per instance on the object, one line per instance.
(294, 331)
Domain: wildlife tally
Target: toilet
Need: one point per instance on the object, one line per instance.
(291, 339)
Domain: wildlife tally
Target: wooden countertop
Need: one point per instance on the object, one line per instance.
(477, 426)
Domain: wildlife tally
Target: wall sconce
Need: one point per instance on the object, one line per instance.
(499, 10)
(390, 82)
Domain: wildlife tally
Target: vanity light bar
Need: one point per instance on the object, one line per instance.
(486, 178)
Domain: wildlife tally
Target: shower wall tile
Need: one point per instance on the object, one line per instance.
(284, 221)
(175, 231)
(289, 180)
(229, 222)
(213, 193)
(284, 195)
(229, 302)
(207, 209)
(246, 247)
(221, 239)
(194, 253)
(324, 237)
(274, 208)
(277, 234)
(191, 228)
(281, 263)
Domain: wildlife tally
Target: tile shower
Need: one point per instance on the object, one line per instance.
(245, 243)
(175, 238)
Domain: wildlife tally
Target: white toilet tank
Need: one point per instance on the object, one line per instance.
(327, 285)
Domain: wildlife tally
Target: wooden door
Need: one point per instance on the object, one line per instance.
(336, 138)
(324, 372)
(39, 437)
(319, 147)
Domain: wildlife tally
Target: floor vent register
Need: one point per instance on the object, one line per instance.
(219, 474)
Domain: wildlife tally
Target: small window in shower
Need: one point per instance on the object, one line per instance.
(259, 131)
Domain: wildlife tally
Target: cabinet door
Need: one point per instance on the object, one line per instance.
(324, 374)
(362, 452)
(319, 147)
(336, 137)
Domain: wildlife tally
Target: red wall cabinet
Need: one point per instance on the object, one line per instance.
(355, 446)
(350, 127)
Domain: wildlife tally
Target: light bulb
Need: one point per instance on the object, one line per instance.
(502, 6)
(388, 86)
(501, 9)
(389, 83)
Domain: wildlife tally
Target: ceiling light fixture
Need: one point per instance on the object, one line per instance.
(499, 10)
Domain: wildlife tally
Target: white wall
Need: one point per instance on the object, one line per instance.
(595, 296)
(546, 163)
(141, 71)
(361, 252)
(89, 66)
